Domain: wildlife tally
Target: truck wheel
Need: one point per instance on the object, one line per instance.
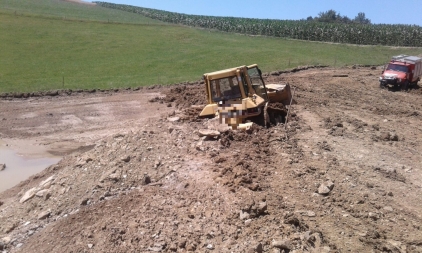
(405, 86)
(382, 85)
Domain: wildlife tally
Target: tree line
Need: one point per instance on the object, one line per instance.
(331, 16)
(338, 32)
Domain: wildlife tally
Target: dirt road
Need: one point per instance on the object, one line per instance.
(345, 176)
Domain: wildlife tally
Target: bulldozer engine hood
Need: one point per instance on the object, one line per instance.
(244, 104)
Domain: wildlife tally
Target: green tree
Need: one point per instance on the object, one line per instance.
(328, 16)
(361, 19)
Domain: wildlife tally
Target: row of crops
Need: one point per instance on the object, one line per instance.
(381, 34)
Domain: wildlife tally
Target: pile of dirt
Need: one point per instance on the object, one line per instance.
(184, 96)
(342, 176)
(123, 192)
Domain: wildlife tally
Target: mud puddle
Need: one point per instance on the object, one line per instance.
(19, 167)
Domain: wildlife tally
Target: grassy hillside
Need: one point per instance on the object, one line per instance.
(70, 10)
(42, 52)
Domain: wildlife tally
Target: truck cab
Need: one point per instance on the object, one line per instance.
(401, 72)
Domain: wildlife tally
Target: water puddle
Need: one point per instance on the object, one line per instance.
(20, 168)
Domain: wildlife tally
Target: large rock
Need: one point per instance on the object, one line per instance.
(373, 216)
(325, 188)
(9, 227)
(393, 136)
(244, 215)
(125, 159)
(44, 215)
(282, 244)
(259, 248)
(6, 240)
(47, 182)
(42, 193)
(83, 160)
(262, 208)
(173, 119)
(208, 133)
(214, 124)
(28, 195)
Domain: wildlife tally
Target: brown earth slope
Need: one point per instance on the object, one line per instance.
(345, 176)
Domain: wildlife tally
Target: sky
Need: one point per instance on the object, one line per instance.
(378, 11)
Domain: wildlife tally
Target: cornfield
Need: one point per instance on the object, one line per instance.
(379, 34)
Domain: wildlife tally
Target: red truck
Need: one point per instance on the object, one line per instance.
(401, 72)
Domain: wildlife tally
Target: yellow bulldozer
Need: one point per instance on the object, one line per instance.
(239, 96)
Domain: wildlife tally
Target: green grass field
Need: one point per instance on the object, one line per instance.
(62, 45)
(70, 10)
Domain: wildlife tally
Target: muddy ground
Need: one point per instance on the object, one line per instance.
(137, 176)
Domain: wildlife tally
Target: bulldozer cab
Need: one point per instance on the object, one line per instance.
(238, 94)
(256, 81)
(235, 84)
(225, 89)
(242, 86)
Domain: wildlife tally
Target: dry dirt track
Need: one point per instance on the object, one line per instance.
(135, 181)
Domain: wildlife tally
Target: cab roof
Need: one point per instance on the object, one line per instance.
(226, 72)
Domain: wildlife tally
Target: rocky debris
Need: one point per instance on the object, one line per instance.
(42, 193)
(208, 133)
(85, 201)
(6, 240)
(389, 136)
(252, 210)
(29, 194)
(325, 188)
(244, 215)
(43, 215)
(146, 180)
(125, 159)
(2, 166)
(9, 227)
(46, 183)
(262, 208)
(247, 222)
(83, 160)
(259, 248)
(173, 119)
(240, 188)
(282, 244)
(374, 216)
(307, 213)
(214, 124)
